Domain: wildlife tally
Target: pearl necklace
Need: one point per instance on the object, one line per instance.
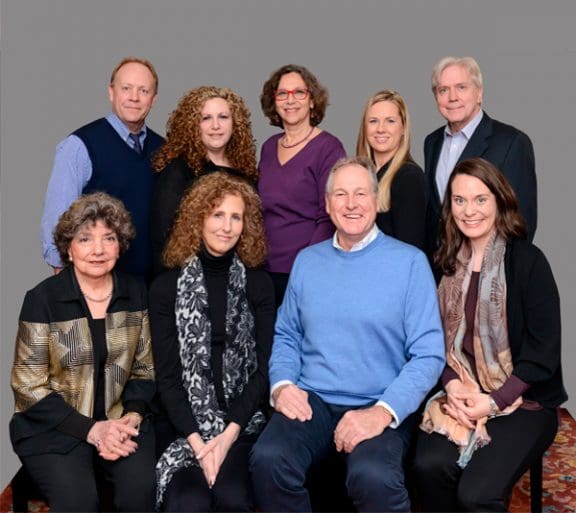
(105, 298)
(288, 146)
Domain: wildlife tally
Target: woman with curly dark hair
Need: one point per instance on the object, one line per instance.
(496, 413)
(209, 130)
(212, 319)
(294, 166)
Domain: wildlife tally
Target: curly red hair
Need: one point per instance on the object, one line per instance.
(202, 198)
(183, 133)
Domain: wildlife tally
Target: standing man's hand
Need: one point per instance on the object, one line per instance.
(355, 426)
(292, 402)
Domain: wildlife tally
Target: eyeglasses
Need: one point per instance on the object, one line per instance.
(298, 94)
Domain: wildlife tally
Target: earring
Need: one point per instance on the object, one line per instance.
(70, 258)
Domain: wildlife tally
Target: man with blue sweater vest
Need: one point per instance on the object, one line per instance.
(112, 155)
(358, 345)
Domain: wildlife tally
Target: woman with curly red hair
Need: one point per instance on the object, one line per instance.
(210, 130)
(212, 319)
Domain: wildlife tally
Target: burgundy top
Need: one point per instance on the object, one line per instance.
(293, 197)
(513, 387)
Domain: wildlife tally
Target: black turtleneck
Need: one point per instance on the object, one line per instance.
(216, 278)
(165, 345)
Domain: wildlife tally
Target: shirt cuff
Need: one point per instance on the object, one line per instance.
(275, 386)
(394, 424)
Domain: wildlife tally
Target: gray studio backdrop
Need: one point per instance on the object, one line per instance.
(56, 57)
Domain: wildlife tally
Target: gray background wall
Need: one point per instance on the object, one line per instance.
(57, 55)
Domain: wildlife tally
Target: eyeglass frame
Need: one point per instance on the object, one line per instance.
(292, 92)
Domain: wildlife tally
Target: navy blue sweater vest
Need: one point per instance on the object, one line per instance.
(119, 171)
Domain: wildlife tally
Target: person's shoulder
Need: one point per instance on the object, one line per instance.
(164, 283)
(410, 170)
(401, 250)
(314, 253)
(154, 136)
(523, 251)
(328, 140)
(504, 129)
(434, 135)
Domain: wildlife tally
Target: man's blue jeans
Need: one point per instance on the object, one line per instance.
(286, 449)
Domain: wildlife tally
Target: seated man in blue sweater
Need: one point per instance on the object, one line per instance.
(358, 345)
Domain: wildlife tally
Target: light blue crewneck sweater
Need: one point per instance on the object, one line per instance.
(361, 327)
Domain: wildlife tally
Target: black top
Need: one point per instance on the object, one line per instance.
(406, 219)
(171, 185)
(58, 352)
(165, 343)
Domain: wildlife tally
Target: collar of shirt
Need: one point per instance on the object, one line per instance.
(370, 236)
(468, 130)
(123, 131)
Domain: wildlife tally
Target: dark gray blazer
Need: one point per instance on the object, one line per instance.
(507, 148)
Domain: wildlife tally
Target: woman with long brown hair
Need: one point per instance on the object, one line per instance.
(496, 413)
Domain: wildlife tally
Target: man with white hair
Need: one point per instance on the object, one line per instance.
(470, 132)
(358, 344)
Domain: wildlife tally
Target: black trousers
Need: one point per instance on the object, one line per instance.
(68, 481)
(486, 482)
(188, 490)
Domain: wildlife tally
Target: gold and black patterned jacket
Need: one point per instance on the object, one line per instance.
(53, 371)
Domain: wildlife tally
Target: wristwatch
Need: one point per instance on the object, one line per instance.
(493, 407)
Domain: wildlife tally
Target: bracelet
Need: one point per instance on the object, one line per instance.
(493, 407)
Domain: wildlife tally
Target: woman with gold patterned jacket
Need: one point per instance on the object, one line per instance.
(83, 371)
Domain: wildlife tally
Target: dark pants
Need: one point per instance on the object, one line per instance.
(486, 482)
(287, 448)
(68, 481)
(189, 492)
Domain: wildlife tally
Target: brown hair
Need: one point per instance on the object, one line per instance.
(318, 94)
(183, 133)
(88, 209)
(202, 198)
(509, 222)
(138, 60)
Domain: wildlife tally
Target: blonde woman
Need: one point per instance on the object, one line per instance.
(384, 138)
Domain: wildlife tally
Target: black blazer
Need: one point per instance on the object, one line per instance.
(507, 148)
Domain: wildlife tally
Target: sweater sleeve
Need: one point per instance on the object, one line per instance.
(539, 351)
(424, 343)
(285, 360)
(166, 354)
(328, 155)
(261, 297)
(168, 191)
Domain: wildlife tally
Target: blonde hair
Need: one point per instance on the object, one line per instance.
(401, 156)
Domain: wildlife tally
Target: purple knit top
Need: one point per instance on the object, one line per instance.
(293, 197)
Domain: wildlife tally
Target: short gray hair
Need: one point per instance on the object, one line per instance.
(363, 162)
(466, 62)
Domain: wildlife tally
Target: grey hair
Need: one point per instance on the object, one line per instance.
(363, 162)
(466, 62)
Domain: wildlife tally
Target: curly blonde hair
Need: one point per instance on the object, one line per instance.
(207, 193)
(183, 133)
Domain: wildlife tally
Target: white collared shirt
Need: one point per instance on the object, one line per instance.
(370, 236)
(452, 148)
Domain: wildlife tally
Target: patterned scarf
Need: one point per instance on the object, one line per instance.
(490, 338)
(194, 337)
